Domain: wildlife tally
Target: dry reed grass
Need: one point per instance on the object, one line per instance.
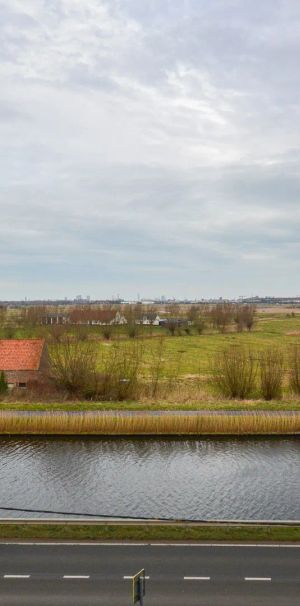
(146, 424)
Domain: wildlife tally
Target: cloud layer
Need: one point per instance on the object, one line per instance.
(149, 147)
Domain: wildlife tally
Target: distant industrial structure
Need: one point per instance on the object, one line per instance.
(80, 301)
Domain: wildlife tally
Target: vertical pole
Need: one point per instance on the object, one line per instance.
(141, 580)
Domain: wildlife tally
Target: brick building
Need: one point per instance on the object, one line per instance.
(24, 361)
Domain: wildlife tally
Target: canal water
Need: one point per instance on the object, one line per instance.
(223, 478)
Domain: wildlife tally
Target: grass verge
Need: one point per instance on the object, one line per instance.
(146, 532)
(207, 404)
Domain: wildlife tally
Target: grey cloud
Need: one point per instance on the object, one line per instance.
(149, 146)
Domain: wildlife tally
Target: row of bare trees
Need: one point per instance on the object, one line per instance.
(178, 320)
(238, 372)
(79, 368)
(114, 372)
(222, 315)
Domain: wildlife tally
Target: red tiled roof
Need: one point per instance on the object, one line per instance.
(21, 354)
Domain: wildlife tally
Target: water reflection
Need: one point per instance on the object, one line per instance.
(209, 478)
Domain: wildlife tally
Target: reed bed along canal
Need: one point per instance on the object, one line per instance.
(204, 478)
(63, 423)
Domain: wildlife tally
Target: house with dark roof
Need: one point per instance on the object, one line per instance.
(24, 361)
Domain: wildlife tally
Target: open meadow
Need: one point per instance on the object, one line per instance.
(175, 371)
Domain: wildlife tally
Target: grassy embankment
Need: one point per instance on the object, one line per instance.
(152, 405)
(117, 425)
(172, 532)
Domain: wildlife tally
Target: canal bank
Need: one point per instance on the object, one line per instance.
(149, 423)
(79, 531)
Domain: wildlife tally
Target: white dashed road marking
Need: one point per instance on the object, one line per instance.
(74, 576)
(131, 577)
(17, 576)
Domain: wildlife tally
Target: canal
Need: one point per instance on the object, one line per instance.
(219, 478)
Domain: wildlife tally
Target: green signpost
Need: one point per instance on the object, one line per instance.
(138, 587)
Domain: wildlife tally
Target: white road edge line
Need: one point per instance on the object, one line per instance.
(196, 578)
(94, 544)
(131, 577)
(75, 576)
(245, 545)
(16, 576)
(258, 578)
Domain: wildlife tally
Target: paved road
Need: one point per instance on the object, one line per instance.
(42, 574)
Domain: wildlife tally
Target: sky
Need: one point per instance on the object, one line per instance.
(149, 146)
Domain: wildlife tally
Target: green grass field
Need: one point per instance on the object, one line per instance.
(185, 367)
(195, 352)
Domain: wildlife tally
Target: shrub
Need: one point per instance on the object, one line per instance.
(132, 330)
(199, 325)
(295, 368)
(244, 316)
(156, 366)
(57, 332)
(9, 331)
(73, 364)
(249, 316)
(3, 383)
(221, 315)
(118, 377)
(197, 315)
(271, 368)
(76, 367)
(107, 331)
(234, 372)
(172, 326)
(81, 332)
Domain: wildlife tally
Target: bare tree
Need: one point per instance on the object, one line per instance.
(57, 332)
(197, 315)
(156, 364)
(33, 316)
(132, 315)
(244, 316)
(295, 368)
(118, 379)
(271, 366)
(172, 325)
(222, 315)
(74, 364)
(249, 316)
(3, 314)
(234, 371)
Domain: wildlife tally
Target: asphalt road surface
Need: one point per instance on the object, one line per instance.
(60, 574)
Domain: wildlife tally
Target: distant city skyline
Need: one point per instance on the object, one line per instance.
(149, 147)
(85, 301)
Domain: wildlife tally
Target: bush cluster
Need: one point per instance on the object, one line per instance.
(238, 372)
(76, 368)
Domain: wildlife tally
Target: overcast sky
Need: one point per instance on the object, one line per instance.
(149, 146)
